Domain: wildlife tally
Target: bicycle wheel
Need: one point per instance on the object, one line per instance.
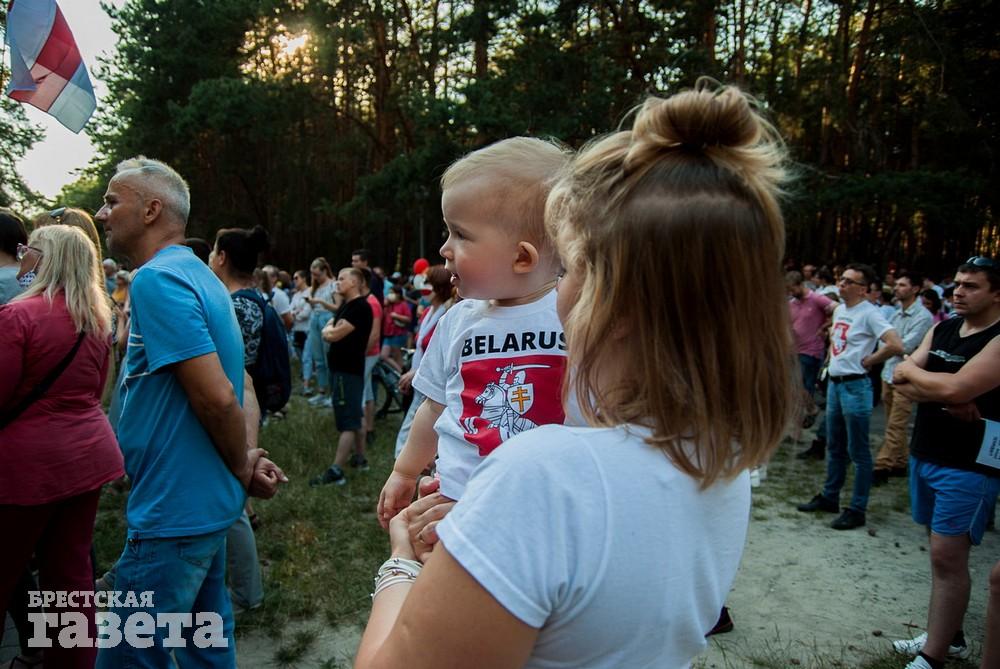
(383, 396)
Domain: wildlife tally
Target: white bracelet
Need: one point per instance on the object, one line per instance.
(394, 571)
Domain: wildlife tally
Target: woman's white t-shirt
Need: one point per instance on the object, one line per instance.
(596, 539)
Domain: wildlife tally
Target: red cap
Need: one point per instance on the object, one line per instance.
(420, 266)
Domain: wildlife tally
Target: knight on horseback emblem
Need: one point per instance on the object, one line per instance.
(505, 402)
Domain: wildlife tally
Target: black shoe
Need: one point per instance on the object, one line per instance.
(334, 475)
(809, 420)
(848, 520)
(898, 473)
(358, 462)
(725, 623)
(370, 437)
(819, 503)
(816, 451)
(880, 477)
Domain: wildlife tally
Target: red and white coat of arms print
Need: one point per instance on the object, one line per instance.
(504, 397)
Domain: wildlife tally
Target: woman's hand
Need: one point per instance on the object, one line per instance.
(399, 537)
(424, 515)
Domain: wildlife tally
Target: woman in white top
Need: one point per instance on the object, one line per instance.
(321, 300)
(614, 544)
(301, 313)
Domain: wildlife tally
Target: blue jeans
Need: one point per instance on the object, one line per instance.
(809, 366)
(244, 566)
(318, 348)
(185, 574)
(848, 412)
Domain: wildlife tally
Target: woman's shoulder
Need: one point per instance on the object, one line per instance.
(568, 447)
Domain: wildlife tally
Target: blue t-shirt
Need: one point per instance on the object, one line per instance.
(180, 484)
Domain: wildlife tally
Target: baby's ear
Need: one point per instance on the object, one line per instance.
(527, 258)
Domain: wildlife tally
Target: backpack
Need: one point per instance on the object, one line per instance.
(272, 373)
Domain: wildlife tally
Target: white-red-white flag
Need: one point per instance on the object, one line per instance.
(46, 68)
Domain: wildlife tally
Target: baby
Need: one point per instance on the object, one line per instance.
(495, 365)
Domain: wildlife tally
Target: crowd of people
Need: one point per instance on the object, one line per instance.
(936, 348)
(573, 476)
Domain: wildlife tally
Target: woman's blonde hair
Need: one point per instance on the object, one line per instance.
(70, 264)
(675, 230)
(71, 216)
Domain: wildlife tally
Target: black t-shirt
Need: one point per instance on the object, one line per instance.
(377, 287)
(938, 437)
(348, 354)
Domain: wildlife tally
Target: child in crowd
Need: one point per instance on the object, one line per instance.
(614, 543)
(495, 365)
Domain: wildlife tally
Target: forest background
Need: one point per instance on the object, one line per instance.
(329, 122)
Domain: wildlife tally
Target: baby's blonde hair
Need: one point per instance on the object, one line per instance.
(675, 230)
(70, 264)
(521, 171)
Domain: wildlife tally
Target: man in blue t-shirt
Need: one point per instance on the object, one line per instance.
(181, 428)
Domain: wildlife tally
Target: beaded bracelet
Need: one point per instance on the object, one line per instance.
(394, 571)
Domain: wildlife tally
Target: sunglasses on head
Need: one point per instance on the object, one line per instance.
(57, 214)
(981, 261)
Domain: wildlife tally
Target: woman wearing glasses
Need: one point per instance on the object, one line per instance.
(12, 235)
(56, 446)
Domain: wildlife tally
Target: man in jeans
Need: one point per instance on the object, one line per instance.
(857, 327)
(912, 321)
(181, 428)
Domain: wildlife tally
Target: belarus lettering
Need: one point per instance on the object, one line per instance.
(514, 343)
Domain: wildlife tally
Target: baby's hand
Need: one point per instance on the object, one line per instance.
(396, 495)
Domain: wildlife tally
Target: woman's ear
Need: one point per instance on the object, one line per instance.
(526, 259)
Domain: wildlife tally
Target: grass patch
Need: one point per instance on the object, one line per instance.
(319, 547)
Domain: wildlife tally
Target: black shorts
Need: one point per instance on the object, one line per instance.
(346, 392)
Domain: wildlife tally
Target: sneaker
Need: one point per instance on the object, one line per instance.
(334, 475)
(848, 520)
(321, 399)
(724, 624)
(755, 477)
(916, 644)
(819, 503)
(816, 451)
(358, 462)
(919, 663)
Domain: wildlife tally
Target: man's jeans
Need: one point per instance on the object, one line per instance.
(848, 412)
(185, 574)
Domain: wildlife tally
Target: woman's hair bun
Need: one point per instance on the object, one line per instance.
(259, 239)
(709, 115)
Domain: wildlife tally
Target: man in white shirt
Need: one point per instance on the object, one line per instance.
(857, 327)
(912, 321)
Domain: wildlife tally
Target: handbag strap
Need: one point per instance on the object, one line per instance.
(9, 417)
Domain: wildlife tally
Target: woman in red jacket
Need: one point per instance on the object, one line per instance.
(56, 445)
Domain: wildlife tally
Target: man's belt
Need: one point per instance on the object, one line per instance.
(847, 377)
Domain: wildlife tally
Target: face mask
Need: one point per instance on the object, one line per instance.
(26, 278)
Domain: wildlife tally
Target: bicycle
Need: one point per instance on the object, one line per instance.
(385, 385)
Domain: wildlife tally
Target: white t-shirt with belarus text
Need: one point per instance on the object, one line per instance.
(854, 334)
(498, 371)
(596, 539)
